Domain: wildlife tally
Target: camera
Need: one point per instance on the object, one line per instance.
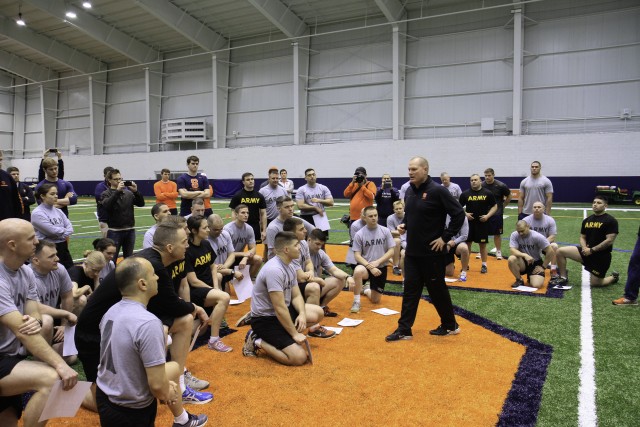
(360, 178)
(386, 184)
(53, 150)
(128, 183)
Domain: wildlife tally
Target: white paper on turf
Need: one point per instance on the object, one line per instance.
(69, 344)
(523, 288)
(321, 222)
(63, 403)
(235, 302)
(385, 311)
(350, 322)
(450, 280)
(562, 288)
(243, 287)
(334, 329)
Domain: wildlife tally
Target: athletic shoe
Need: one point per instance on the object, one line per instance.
(249, 348)
(193, 421)
(478, 256)
(616, 277)
(463, 276)
(322, 332)
(218, 345)
(355, 308)
(518, 282)
(442, 331)
(193, 382)
(560, 281)
(498, 255)
(483, 269)
(328, 312)
(397, 271)
(624, 301)
(397, 335)
(244, 320)
(196, 397)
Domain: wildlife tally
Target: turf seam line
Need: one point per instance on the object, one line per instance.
(587, 415)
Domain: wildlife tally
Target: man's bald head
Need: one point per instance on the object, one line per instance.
(17, 241)
(12, 228)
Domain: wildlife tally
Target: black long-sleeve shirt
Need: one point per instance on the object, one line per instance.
(426, 209)
(10, 201)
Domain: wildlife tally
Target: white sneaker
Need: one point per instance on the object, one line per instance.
(478, 256)
(463, 276)
(498, 254)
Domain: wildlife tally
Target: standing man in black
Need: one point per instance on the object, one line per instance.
(426, 209)
(10, 201)
(26, 193)
(480, 206)
(255, 202)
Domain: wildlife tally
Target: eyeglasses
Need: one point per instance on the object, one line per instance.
(116, 179)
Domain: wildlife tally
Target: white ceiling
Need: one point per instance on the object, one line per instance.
(115, 33)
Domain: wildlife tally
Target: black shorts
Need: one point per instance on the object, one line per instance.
(174, 211)
(597, 263)
(269, 329)
(112, 415)
(451, 256)
(256, 232)
(529, 268)
(478, 232)
(198, 295)
(496, 225)
(377, 282)
(7, 363)
(225, 280)
(88, 347)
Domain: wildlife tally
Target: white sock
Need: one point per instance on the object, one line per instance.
(356, 298)
(169, 340)
(213, 339)
(182, 418)
(182, 386)
(484, 264)
(258, 342)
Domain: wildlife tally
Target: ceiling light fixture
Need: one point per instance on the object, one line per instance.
(20, 21)
(86, 4)
(71, 14)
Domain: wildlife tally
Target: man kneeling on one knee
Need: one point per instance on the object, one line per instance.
(526, 247)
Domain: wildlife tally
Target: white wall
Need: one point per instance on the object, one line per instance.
(609, 154)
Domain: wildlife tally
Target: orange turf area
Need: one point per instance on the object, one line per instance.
(357, 378)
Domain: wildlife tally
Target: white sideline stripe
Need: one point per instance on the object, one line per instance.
(587, 416)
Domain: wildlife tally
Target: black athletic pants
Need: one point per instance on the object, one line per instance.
(418, 273)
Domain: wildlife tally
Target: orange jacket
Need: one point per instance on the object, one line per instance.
(207, 200)
(359, 199)
(166, 192)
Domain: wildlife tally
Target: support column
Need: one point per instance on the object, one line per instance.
(399, 59)
(300, 78)
(49, 111)
(153, 104)
(19, 113)
(518, 43)
(97, 109)
(220, 97)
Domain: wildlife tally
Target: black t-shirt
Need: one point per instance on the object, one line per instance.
(500, 191)
(596, 228)
(10, 201)
(254, 200)
(477, 202)
(77, 275)
(201, 258)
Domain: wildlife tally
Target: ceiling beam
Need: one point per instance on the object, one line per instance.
(24, 68)
(53, 49)
(100, 31)
(185, 24)
(281, 17)
(392, 9)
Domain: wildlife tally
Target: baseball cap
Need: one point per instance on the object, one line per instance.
(361, 170)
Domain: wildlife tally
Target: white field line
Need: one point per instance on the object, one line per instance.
(587, 415)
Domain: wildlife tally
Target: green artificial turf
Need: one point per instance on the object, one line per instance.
(553, 321)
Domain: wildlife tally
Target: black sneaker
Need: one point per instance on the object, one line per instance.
(397, 335)
(483, 269)
(193, 421)
(328, 312)
(518, 282)
(244, 320)
(560, 281)
(616, 277)
(442, 331)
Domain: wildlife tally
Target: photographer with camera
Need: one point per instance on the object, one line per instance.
(360, 192)
(386, 196)
(118, 202)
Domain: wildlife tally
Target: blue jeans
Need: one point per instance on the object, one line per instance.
(633, 274)
(125, 239)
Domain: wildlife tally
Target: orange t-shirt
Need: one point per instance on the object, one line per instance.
(166, 192)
